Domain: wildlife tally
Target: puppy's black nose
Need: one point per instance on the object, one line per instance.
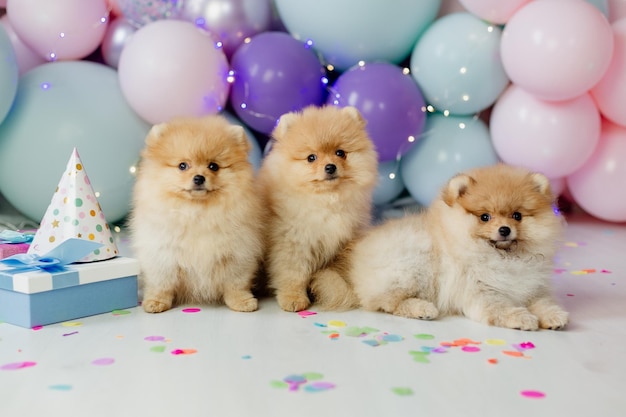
(504, 231)
(330, 168)
(198, 180)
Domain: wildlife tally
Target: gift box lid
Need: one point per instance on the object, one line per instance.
(34, 280)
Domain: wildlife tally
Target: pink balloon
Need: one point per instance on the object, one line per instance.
(598, 187)
(617, 10)
(557, 49)
(25, 56)
(610, 92)
(555, 138)
(557, 185)
(494, 11)
(60, 29)
(171, 68)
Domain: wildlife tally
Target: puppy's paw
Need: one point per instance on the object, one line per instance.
(518, 318)
(416, 308)
(293, 302)
(243, 304)
(155, 306)
(554, 320)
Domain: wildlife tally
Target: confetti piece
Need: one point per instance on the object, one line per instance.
(424, 336)
(460, 342)
(103, 361)
(515, 354)
(526, 345)
(72, 324)
(492, 361)
(419, 356)
(570, 295)
(313, 376)
(355, 331)
(402, 391)
(184, 351)
(559, 270)
(372, 342)
(319, 386)
(154, 338)
(61, 387)
(336, 323)
(121, 312)
(157, 349)
(279, 384)
(605, 271)
(17, 365)
(319, 324)
(306, 313)
(70, 334)
(533, 394)
(392, 338)
(470, 349)
(294, 381)
(246, 357)
(495, 342)
(191, 310)
(334, 336)
(36, 328)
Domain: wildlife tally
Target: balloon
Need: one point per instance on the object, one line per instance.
(494, 11)
(256, 154)
(610, 92)
(554, 138)
(171, 68)
(60, 106)
(231, 21)
(390, 101)
(25, 56)
(141, 12)
(390, 184)
(8, 74)
(115, 38)
(274, 74)
(348, 31)
(553, 57)
(598, 185)
(60, 29)
(456, 63)
(617, 10)
(602, 5)
(449, 145)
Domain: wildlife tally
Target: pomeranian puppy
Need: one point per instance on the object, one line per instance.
(317, 182)
(196, 222)
(483, 249)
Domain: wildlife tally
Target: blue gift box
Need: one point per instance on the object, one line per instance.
(32, 297)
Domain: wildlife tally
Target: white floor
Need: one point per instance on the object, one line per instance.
(216, 362)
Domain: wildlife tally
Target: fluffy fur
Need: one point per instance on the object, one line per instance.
(317, 182)
(195, 223)
(483, 249)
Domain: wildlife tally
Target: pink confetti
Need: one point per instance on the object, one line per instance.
(154, 338)
(605, 271)
(103, 361)
(306, 313)
(191, 310)
(36, 328)
(17, 365)
(533, 394)
(178, 352)
(470, 349)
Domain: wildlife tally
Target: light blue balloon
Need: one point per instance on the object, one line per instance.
(448, 146)
(60, 106)
(9, 73)
(348, 31)
(256, 154)
(390, 183)
(457, 64)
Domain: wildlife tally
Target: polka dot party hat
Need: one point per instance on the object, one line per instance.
(74, 212)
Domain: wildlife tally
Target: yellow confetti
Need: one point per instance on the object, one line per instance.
(571, 244)
(495, 342)
(71, 324)
(336, 323)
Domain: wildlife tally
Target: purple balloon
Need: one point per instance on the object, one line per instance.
(389, 99)
(274, 74)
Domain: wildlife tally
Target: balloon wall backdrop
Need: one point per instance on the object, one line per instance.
(444, 86)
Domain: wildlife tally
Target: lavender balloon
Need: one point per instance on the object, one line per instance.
(117, 34)
(231, 21)
(274, 74)
(389, 99)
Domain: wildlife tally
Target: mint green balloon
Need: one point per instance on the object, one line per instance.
(348, 31)
(8, 73)
(59, 106)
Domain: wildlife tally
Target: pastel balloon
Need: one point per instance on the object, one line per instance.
(171, 68)
(230, 21)
(115, 38)
(557, 49)
(456, 63)
(598, 185)
(389, 100)
(610, 92)
(141, 12)
(8, 74)
(558, 185)
(494, 11)
(26, 58)
(274, 74)
(348, 31)
(390, 184)
(60, 29)
(74, 104)
(555, 138)
(448, 146)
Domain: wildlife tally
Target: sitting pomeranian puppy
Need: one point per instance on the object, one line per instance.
(317, 182)
(483, 249)
(196, 222)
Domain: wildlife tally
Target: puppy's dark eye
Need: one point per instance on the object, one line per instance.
(517, 216)
(485, 217)
(214, 167)
(340, 153)
(311, 158)
(183, 166)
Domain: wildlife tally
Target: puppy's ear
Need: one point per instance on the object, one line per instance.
(542, 183)
(155, 133)
(456, 188)
(239, 135)
(285, 121)
(354, 113)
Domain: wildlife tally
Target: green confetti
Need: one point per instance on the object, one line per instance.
(313, 376)
(157, 349)
(419, 356)
(402, 391)
(279, 384)
(424, 336)
(120, 312)
(355, 331)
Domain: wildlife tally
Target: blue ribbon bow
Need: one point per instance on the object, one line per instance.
(11, 236)
(65, 253)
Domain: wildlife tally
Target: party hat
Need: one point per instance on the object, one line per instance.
(74, 212)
